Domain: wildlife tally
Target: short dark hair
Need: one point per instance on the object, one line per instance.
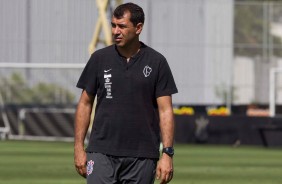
(136, 12)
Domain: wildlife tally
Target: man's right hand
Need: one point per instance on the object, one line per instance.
(80, 161)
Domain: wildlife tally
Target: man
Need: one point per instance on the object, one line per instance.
(133, 84)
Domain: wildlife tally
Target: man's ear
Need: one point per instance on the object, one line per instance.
(139, 28)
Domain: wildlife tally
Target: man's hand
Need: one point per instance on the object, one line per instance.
(165, 169)
(80, 162)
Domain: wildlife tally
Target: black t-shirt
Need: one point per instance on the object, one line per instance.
(126, 119)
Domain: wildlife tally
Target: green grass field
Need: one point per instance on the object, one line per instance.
(26, 162)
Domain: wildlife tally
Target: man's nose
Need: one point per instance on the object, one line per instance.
(116, 30)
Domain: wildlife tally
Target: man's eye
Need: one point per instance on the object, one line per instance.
(113, 25)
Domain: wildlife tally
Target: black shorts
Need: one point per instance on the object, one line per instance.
(107, 169)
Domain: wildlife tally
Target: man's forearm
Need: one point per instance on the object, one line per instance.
(82, 120)
(166, 120)
(167, 128)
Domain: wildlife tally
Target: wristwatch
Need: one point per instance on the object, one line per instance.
(169, 151)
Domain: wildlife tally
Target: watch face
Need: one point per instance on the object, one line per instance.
(169, 151)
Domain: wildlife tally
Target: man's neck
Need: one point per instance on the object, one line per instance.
(129, 51)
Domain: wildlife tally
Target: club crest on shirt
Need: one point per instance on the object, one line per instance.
(147, 71)
(90, 164)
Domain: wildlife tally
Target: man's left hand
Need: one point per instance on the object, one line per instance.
(164, 171)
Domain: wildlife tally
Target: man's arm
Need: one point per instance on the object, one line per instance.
(165, 164)
(82, 120)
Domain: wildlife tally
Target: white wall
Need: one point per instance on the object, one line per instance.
(194, 35)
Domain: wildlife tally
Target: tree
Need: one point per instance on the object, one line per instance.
(16, 90)
(252, 30)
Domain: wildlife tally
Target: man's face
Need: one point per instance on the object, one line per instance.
(123, 30)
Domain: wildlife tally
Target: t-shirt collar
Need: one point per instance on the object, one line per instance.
(136, 55)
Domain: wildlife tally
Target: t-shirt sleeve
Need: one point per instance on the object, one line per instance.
(89, 77)
(165, 83)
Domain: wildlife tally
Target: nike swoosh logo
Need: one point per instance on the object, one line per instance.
(107, 70)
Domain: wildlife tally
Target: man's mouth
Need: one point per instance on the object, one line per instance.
(117, 39)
